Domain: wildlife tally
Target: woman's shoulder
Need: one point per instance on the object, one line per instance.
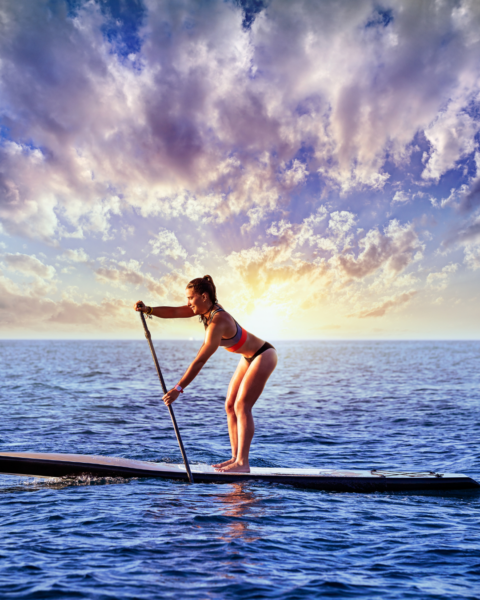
(218, 312)
(221, 315)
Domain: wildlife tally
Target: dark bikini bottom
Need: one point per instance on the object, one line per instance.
(266, 346)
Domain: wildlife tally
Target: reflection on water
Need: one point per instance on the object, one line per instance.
(238, 503)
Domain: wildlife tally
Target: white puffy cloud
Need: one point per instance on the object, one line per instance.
(341, 221)
(439, 280)
(400, 198)
(393, 250)
(295, 175)
(77, 255)
(451, 137)
(300, 258)
(165, 243)
(472, 256)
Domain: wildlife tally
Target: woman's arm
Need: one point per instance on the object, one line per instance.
(210, 346)
(165, 312)
(172, 312)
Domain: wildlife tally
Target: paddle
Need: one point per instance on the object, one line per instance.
(164, 388)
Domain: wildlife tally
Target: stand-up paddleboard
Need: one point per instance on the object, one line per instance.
(338, 480)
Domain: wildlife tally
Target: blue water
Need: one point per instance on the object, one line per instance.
(400, 405)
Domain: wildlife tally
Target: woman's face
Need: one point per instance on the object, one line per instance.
(199, 303)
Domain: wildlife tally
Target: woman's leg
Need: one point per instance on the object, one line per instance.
(235, 382)
(251, 386)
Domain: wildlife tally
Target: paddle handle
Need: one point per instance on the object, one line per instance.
(164, 388)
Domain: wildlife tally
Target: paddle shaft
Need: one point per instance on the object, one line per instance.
(164, 388)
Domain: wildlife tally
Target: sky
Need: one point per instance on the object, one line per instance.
(319, 159)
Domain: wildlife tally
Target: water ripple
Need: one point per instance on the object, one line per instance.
(357, 405)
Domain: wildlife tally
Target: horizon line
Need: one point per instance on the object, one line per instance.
(273, 340)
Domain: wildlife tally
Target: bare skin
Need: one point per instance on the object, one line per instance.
(244, 390)
(247, 382)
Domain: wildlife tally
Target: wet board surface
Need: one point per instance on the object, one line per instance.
(342, 480)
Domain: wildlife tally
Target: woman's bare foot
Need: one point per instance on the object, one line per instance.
(235, 467)
(224, 464)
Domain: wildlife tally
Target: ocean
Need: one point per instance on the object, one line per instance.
(356, 405)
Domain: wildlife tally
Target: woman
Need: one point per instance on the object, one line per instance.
(258, 361)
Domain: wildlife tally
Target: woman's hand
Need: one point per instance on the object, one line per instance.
(171, 396)
(139, 306)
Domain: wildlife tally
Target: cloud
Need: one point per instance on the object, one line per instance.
(471, 199)
(23, 305)
(124, 274)
(468, 237)
(393, 251)
(381, 309)
(68, 312)
(208, 120)
(29, 265)
(341, 222)
(20, 309)
(469, 232)
(472, 256)
(78, 255)
(166, 286)
(167, 244)
(439, 280)
(400, 198)
(295, 175)
(267, 146)
(281, 263)
(469, 195)
(451, 137)
(325, 263)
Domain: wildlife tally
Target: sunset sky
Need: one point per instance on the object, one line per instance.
(319, 158)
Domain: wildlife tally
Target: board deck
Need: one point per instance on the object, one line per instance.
(340, 480)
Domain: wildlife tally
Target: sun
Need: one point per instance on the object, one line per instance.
(267, 322)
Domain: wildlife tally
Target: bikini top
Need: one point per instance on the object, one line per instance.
(234, 343)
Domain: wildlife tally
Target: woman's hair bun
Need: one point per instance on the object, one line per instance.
(203, 285)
